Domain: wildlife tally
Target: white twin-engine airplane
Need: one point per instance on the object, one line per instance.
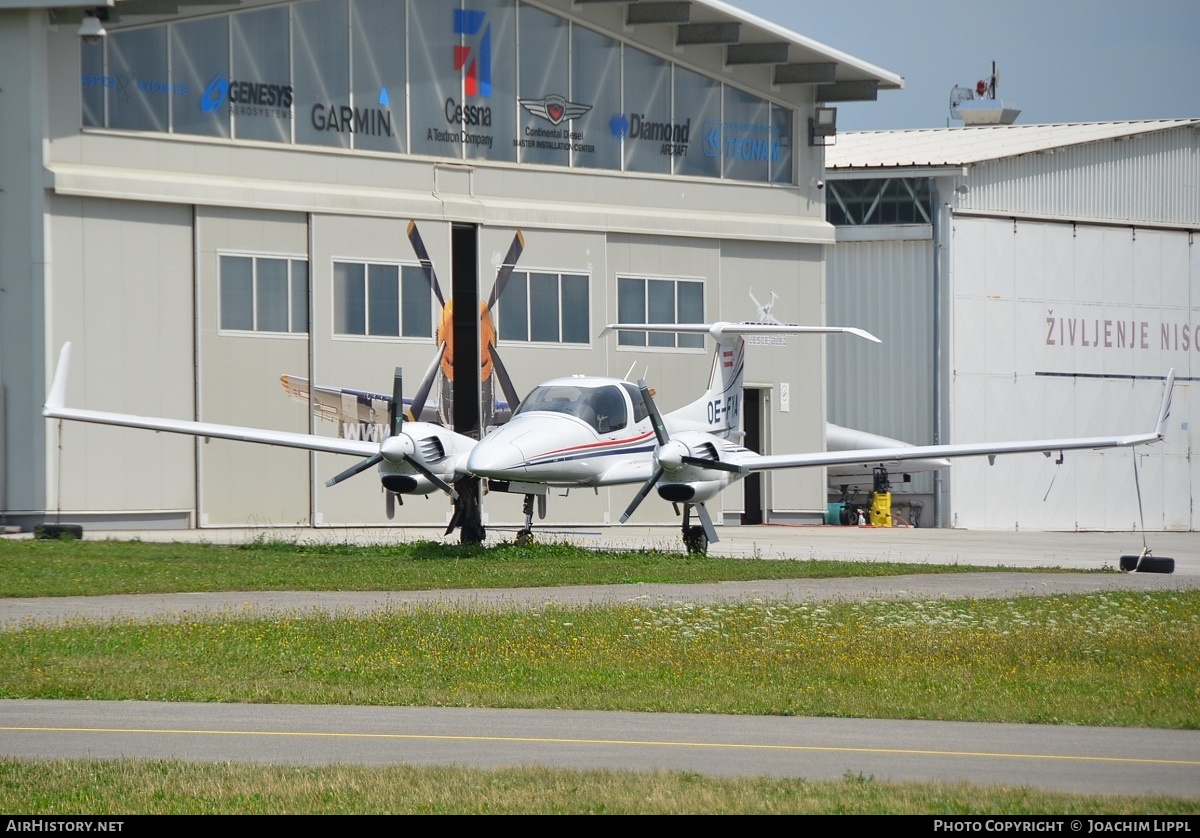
(587, 431)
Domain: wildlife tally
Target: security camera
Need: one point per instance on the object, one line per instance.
(820, 184)
(92, 28)
(817, 182)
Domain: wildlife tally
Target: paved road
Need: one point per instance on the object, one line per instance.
(1100, 760)
(1073, 759)
(16, 612)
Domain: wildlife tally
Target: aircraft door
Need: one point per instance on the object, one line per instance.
(754, 414)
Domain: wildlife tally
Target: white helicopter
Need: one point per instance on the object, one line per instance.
(587, 431)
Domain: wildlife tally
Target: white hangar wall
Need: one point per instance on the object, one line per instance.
(886, 287)
(1068, 330)
(119, 287)
(1142, 176)
(131, 227)
(1086, 232)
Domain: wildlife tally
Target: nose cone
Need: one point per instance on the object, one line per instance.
(395, 449)
(496, 457)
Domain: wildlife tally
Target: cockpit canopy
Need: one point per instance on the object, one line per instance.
(603, 407)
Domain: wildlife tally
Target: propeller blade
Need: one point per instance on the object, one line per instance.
(456, 519)
(506, 269)
(706, 521)
(715, 464)
(422, 394)
(641, 495)
(418, 246)
(433, 478)
(390, 503)
(660, 428)
(396, 408)
(373, 460)
(510, 392)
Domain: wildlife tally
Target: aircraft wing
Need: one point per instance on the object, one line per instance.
(342, 404)
(54, 408)
(885, 456)
(331, 404)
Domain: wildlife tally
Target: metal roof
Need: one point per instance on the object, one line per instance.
(939, 147)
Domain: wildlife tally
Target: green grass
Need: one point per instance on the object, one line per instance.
(97, 787)
(67, 567)
(1106, 659)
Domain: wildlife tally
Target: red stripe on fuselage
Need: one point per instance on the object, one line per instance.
(600, 444)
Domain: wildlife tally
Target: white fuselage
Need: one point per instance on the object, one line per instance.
(578, 431)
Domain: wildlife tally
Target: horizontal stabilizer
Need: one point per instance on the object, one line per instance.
(721, 328)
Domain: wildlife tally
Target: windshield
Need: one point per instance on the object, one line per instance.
(601, 407)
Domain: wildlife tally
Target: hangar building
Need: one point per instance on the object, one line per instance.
(211, 196)
(1031, 281)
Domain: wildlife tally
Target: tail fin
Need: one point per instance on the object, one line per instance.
(718, 411)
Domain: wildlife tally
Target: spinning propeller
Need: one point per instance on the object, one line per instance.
(397, 447)
(670, 456)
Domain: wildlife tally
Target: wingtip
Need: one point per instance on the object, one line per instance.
(1164, 408)
(58, 388)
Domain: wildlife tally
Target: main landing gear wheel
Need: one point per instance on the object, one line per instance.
(695, 540)
(1148, 564)
(524, 538)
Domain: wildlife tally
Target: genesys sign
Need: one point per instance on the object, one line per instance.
(247, 97)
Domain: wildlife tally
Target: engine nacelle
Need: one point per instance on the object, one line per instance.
(435, 447)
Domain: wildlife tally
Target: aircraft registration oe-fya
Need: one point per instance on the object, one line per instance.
(588, 432)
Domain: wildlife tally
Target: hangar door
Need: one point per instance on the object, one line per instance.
(1069, 330)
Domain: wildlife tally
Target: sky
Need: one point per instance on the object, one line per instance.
(1059, 60)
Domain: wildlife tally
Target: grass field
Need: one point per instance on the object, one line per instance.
(1067, 659)
(119, 787)
(87, 568)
